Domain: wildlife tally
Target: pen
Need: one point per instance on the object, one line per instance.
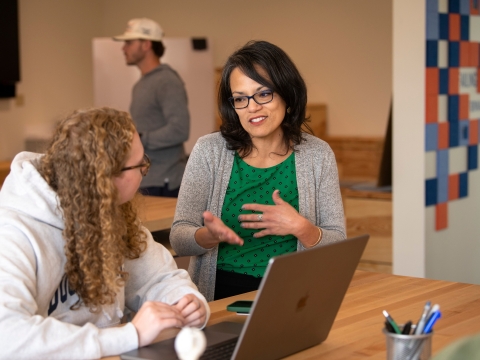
(391, 321)
(434, 308)
(431, 321)
(423, 318)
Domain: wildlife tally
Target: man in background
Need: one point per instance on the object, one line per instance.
(159, 107)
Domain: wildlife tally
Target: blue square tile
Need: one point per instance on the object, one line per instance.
(465, 7)
(454, 6)
(464, 27)
(431, 137)
(432, 26)
(463, 133)
(473, 157)
(463, 180)
(453, 108)
(454, 136)
(442, 189)
(430, 192)
(442, 163)
(432, 53)
(443, 81)
(454, 54)
(443, 26)
(432, 6)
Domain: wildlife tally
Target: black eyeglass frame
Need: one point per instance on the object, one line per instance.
(232, 99)
(146, 164)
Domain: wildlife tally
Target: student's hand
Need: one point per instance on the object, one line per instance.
(279, 219)
(215, 232)
(154, 317)
(193, 310)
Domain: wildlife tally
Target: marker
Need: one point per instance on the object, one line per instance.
(390, 320)
(423, 318)
(389, 327)
(431, 321)
(406, 328)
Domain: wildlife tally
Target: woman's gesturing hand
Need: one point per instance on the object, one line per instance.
(215, 232)
(278, 219)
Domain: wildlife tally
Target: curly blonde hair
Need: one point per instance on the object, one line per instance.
(88, 150)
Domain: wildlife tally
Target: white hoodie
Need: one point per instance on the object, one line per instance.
(35, 316)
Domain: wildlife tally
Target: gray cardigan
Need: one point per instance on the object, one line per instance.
(204, 185)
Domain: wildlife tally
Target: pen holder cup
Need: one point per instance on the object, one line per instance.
(408, 347)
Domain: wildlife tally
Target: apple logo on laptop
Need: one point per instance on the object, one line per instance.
(302, 302)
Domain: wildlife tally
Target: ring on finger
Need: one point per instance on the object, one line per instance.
(260, 217)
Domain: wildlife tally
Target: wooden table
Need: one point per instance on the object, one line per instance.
(157, 212)
(357, 330)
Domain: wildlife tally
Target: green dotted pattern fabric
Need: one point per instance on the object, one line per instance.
(256, 185)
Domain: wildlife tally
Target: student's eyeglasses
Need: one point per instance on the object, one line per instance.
(144, 166)
(261, 97)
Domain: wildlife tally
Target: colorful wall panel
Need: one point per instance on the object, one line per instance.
(452, 131)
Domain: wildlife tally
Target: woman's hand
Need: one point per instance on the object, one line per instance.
(215, 232)
(193, 310)
(154, 317)
(279, 219)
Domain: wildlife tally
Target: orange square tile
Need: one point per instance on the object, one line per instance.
(473, 132)
(474, 7)
(453, 80)
(473, 54)
(453, 187)
(441, 216)
(432, 109)
(443, 133)
(454, 27)
(432, 81)
(464, 53)
(464, 107)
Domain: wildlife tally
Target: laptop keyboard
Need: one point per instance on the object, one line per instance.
(221, 351)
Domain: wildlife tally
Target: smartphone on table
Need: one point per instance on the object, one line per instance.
(241, 306)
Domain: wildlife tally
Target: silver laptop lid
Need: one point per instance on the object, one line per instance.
(298, 300)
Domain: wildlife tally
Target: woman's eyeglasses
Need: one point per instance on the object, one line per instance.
(144, 166)
(261, 97)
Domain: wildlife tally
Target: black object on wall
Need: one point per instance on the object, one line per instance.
(385, 173)
(10, 58)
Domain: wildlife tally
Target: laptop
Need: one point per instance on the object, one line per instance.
(295, 307)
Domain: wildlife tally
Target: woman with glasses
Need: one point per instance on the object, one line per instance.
(74, 254)
(261, 187)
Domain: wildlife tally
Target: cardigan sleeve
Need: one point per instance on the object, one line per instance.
(193, 200)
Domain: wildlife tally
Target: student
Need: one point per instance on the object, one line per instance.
(74, 253)
(260, 187)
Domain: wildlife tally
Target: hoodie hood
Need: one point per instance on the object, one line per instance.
(26, 191)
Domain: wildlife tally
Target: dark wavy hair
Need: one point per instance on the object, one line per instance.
(254, 59)
(89, 148)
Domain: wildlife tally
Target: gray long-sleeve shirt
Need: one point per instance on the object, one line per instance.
(204, 185)
(160, 110)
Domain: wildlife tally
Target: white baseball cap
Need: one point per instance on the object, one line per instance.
(141, 29)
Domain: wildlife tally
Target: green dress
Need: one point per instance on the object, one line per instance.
(248, 185)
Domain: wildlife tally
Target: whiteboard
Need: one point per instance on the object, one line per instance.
(113, 80)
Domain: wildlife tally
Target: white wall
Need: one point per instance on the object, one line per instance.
(342, 47)
(408, 137)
